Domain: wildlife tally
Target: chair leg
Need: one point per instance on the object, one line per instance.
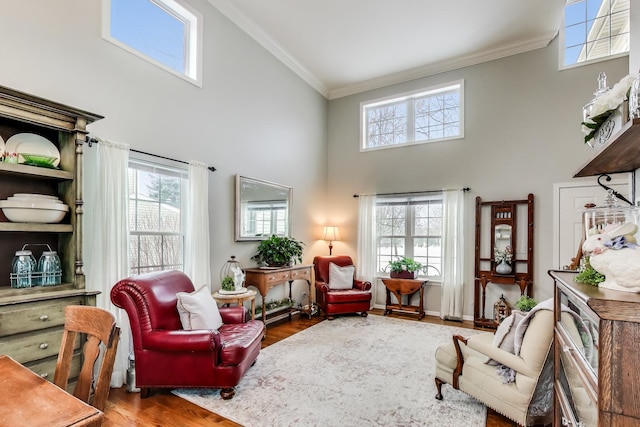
(330, 317)
(439, 383)
(227, 393)
(364, 314)
(145, 392)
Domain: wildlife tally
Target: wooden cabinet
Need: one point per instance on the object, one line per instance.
(31, 319)
(597, 386)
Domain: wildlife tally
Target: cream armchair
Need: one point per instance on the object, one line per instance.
(479, 367)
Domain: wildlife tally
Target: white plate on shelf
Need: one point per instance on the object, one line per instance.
(32, 144)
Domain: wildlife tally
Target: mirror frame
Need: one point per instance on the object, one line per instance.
(243, 180)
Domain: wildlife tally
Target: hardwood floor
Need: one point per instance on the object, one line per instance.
(166, 410)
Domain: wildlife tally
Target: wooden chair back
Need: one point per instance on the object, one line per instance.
(100, 328)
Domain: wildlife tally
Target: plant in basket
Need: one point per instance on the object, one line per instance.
(404, 268)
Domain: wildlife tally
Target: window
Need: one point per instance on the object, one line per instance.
(427, 115)
(595, 29)
(156, 222)
(164, 32)
(411, 227)
(265, 218)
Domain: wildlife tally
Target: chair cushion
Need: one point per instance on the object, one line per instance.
(340, 277)
(340, 296)
(239, 340)
(198, 310)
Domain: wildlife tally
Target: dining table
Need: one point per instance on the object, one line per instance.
(26, 399)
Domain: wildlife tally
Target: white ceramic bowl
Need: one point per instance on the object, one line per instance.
(36, 196)
(35, 211)
(32, 199)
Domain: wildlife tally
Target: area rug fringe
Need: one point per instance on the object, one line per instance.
(352, 371)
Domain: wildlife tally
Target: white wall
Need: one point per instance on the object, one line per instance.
(522, 135)
(253, 116)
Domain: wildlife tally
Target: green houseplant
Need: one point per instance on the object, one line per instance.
(404, 268)
(525, 303)
(278, 251)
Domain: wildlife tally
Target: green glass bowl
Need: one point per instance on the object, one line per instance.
(39, 160)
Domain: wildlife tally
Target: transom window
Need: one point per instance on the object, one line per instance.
(164, 32)
(595, 29)
(156, 240)
(411, 227)
(427, 115)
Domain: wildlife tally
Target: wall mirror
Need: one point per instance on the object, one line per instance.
(504, 251)
(262, 209)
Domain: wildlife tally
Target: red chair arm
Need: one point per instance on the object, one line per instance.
(362, 285)
(233, 315)
(195, 340)
(322, 286)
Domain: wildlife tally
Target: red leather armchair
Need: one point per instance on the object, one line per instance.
(168, 356)
(340, 301)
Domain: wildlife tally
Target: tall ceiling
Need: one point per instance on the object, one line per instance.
(341, 47)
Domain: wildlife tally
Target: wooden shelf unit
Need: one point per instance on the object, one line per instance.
(619, 154)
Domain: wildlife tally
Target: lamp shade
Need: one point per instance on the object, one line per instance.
(331, 233)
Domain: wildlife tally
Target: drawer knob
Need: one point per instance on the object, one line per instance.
(44, 317)
(44, 346)
(44, 375)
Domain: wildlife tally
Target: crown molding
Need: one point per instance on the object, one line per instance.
(447, 65)
(258, 34)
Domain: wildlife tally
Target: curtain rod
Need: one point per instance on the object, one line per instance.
(90, 141)
(411, 192)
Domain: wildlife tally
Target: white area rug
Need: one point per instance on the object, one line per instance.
(352, 371)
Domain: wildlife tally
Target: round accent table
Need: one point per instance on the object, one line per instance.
(238, 299)
(400, 287)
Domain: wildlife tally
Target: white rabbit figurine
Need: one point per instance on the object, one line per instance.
(238, 278)
(615, 254)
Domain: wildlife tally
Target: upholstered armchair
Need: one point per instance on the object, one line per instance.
(167, 355)
(340, 292)
(510, 372)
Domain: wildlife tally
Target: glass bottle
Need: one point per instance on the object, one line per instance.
(602, 88)
(23, 266)
(49, 268)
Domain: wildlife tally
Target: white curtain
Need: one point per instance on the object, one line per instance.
(108, 257)
(366, 260)
(197, 260)
(453, 254)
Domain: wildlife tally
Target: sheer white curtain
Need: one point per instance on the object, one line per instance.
(366, 259)
(108, 239)
(453, 254)
(197, 260)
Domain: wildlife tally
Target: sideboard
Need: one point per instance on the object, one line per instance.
(265, 278)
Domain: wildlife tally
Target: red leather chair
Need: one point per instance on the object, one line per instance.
(166, 355)
(340, 301)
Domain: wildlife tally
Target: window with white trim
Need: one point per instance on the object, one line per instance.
(410, 227)
(166, 33)
(427, 115)
(157, 228)
(594, 30)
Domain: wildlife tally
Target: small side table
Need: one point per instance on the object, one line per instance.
(238, 299)
(409, 287)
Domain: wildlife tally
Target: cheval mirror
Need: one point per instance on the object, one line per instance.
(503, 251)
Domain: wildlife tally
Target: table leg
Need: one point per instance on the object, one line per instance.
(388, 310)
(253, 309)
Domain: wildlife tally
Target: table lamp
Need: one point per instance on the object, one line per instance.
(331, 234)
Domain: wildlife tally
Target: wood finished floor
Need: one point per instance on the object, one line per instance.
(166, 410)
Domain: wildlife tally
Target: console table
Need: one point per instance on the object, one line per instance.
(400, 287)
(265, 278)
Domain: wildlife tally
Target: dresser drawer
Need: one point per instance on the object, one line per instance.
(46, 368)
(33, 346)
(301, 274)
(277, 277)
(33, 316)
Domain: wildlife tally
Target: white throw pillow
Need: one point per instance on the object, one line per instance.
(340, 277)
(198, 310)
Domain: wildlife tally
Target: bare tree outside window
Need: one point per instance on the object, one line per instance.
(423, 116)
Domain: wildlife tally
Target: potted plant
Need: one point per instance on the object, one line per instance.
(404, 268)
(525, 303)
(278, 251)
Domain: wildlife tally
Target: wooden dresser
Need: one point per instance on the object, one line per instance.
(601, 386)
(265, 278)
(32, 319)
